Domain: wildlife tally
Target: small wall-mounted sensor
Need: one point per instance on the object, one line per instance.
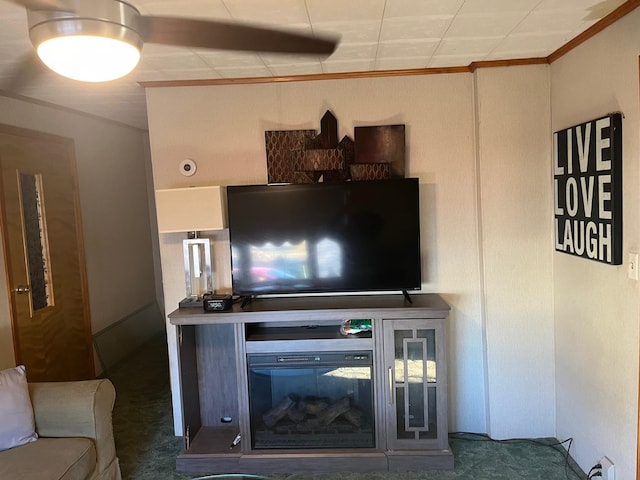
(188, 167)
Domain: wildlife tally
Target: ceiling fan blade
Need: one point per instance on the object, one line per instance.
(62, 5)
(27, 70)
(188, 32)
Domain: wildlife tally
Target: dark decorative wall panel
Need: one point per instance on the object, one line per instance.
(379, 145)
(279, 145)
(301, 156)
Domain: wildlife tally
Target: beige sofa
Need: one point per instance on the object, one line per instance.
(75, 435)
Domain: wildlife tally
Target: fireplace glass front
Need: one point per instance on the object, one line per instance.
(311, 400)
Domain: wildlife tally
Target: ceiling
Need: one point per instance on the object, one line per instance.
(374, 35)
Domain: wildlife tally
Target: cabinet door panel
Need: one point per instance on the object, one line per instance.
(416, 393)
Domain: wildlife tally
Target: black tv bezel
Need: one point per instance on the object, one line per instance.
(253, 293)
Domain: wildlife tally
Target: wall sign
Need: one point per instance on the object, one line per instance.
(587, 177)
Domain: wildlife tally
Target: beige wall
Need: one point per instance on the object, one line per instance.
(222, 129)
(115, 213)
(597, 305)
(516, 243)
(540, 343)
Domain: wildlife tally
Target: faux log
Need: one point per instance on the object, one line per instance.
(278, 412)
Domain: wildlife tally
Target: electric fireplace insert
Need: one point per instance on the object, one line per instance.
(311, 400)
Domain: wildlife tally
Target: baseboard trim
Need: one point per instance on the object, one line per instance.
(125, 336)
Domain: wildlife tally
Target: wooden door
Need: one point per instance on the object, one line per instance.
(44, 256)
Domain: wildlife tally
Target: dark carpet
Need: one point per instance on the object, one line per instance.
(147, 446)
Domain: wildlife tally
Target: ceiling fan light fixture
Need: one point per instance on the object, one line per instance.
(97, 42)
(89, 58)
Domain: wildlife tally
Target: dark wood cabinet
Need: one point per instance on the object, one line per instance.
(408, 381)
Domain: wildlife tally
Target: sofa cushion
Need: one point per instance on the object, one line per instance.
(17, 426)
(50, 459)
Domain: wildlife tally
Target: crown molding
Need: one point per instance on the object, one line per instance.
(624, 9)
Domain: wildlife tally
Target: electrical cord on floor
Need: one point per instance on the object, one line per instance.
(557, 446)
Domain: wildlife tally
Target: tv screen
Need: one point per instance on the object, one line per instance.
(325, 237)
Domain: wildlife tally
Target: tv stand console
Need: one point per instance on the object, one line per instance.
(407, 381)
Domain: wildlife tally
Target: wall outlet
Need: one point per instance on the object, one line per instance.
(608, 469)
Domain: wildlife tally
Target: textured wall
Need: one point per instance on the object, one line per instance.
(597, 305)
(111, 163)
(222, 129)
(516, 217)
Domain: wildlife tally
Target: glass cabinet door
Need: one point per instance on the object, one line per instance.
(416, 393)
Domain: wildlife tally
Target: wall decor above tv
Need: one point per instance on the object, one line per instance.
(303, 156)
(325, 237)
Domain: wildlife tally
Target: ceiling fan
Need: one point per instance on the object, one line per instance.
(74, 37)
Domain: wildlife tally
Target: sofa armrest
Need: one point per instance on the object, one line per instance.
(77, 409)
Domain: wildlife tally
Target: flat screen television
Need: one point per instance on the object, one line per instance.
(325, 237)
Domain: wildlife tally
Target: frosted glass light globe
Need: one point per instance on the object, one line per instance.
(89, 58)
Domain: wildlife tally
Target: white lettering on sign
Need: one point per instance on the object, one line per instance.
(557, 209)
(582, 237)
(602, 143)
(587, 195)
(604, 196)
(569, 152)
(583, 147)
(557, 169)
(572, 203)
(587, 164)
